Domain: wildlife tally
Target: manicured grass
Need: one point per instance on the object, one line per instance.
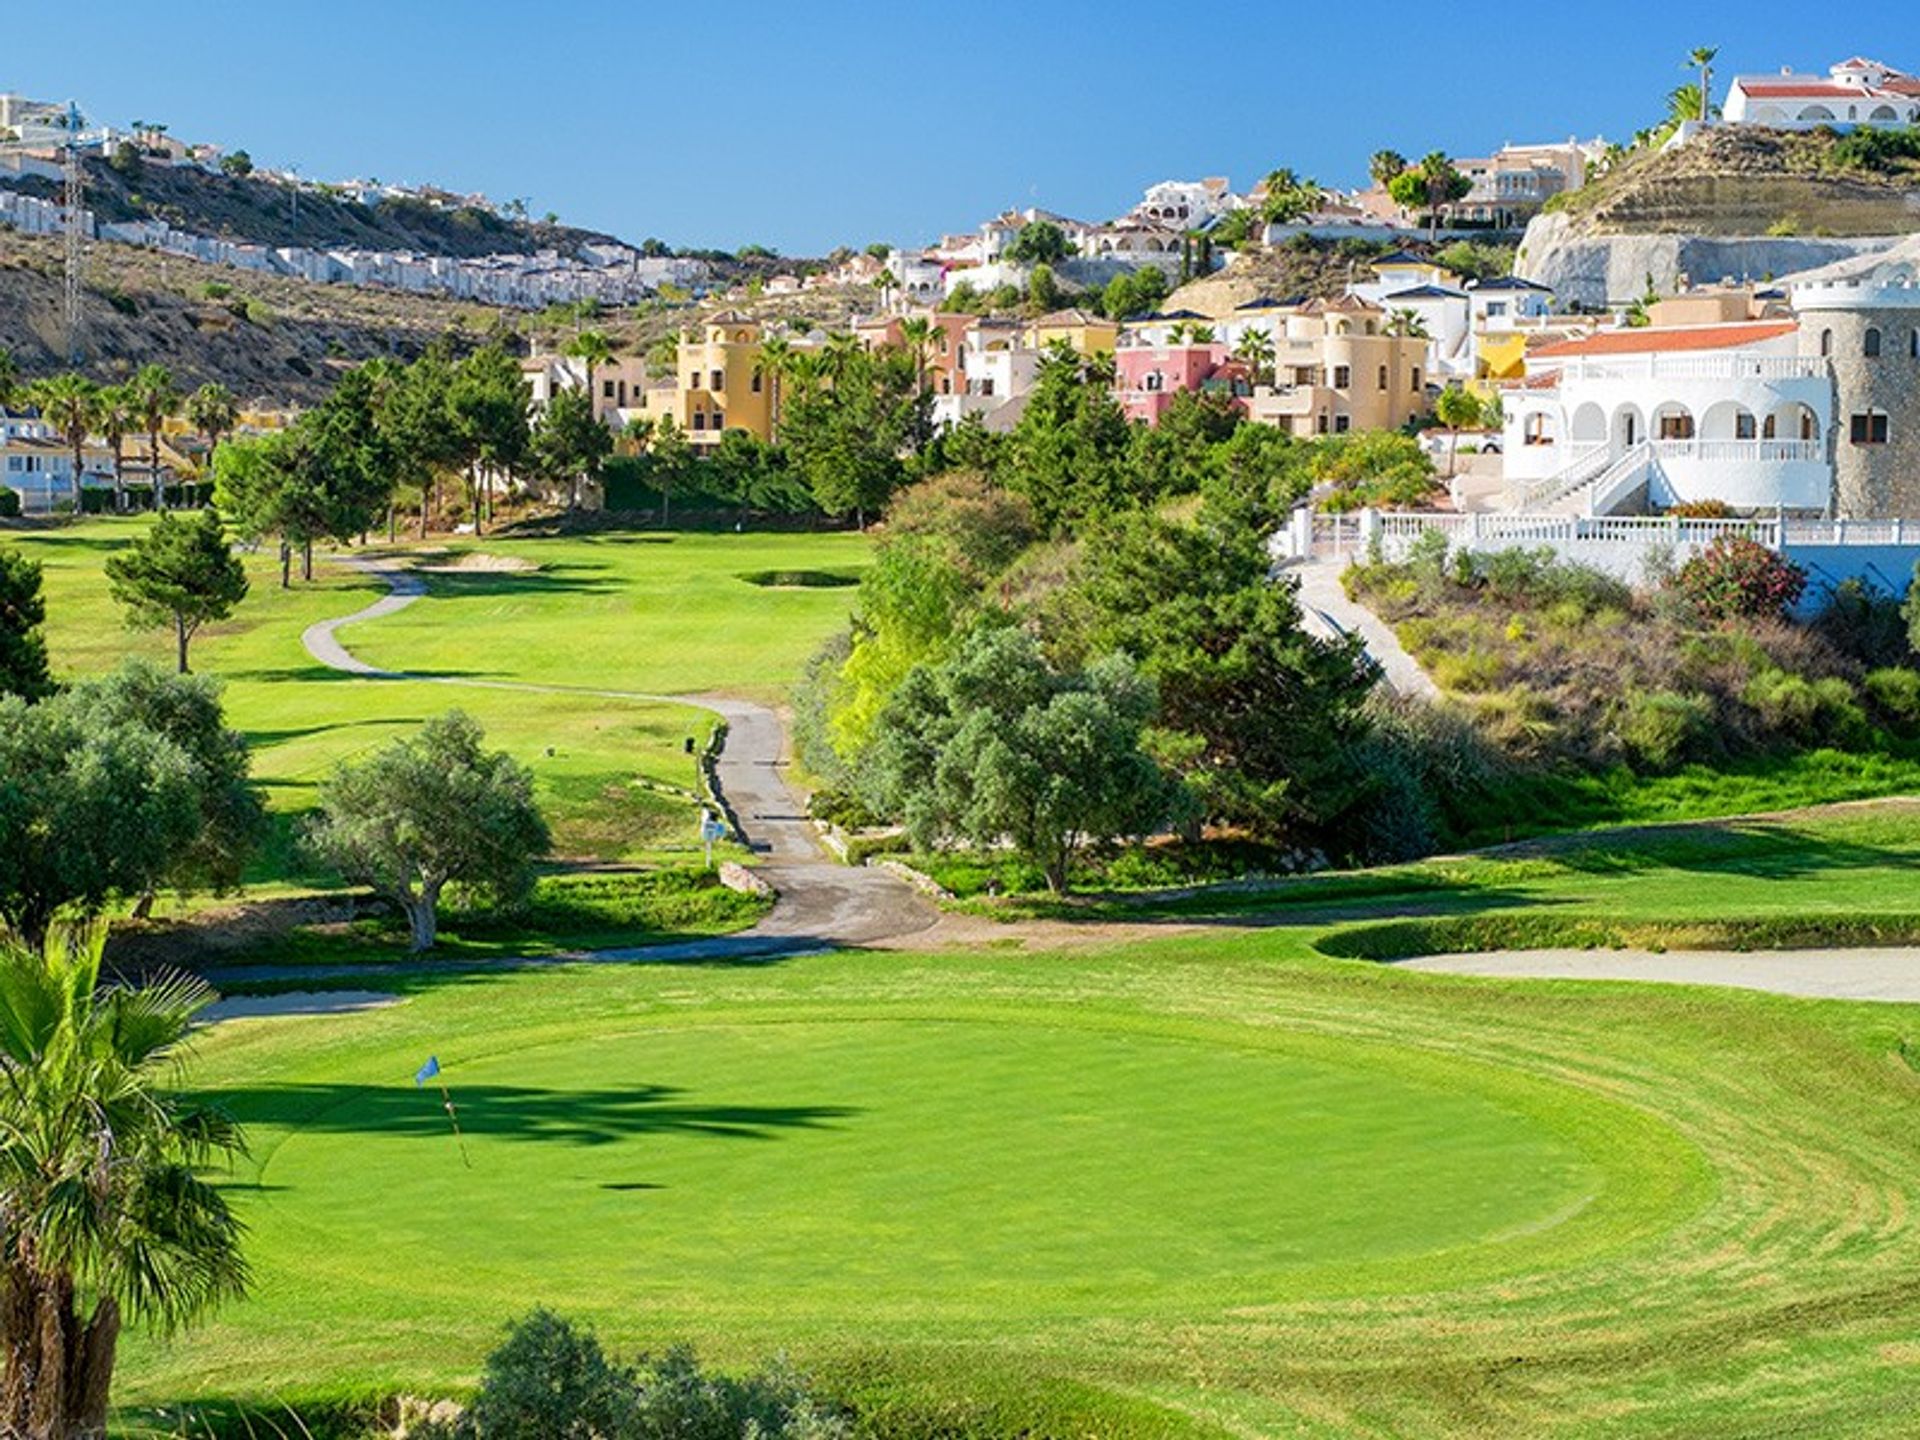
(1202, 1187)
(660, 613)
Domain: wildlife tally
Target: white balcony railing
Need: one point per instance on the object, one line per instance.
(1696, 367)
(1741, 452)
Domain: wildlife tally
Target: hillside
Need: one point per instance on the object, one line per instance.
(282, 339)
(262, 336)
(1319, 269)
(262, 212)
(1744, 181)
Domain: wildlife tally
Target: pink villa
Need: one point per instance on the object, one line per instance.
(1149, 376)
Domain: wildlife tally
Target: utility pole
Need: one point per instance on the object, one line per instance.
(73, 201)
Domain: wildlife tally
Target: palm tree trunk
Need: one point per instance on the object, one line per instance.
(153, 458)
(78, 443)
(92, 1374)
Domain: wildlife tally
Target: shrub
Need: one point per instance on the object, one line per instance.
(1661, 728)
(1824, 711)
(1864, 623)
(1895, 693)
(9, 503)
(1701, 510)
(1735, 576)
(550, 1381)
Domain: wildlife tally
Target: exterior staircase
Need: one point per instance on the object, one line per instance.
(1600, 492)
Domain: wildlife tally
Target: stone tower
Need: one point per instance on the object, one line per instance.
(1865, 323)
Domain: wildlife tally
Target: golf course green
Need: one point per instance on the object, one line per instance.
(1237, 1180)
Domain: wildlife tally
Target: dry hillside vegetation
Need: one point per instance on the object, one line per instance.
(1741, 181)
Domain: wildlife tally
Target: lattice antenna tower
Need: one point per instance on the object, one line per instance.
(73, 203)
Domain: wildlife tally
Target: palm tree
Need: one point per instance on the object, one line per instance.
(213, 411)
(155, 397)
(67, 402)
(776, 354)
(1406, 323)
(1701, 58)
(107, 1216)
(9, 377)
(1384, 165)
(916, 333)
(839, 348)
(115, 419)
(1255, 350)
(592, 349)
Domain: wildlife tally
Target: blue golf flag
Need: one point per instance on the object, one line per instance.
(427, 1071)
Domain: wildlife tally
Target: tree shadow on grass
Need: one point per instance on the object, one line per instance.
(587, 1116)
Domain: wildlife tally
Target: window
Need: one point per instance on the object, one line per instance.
(1826, 342)
(1342, 424)
(1534, 432)
(1383, 377)
(1744, 427)
(1417, 387)
(754, 384)
(693, 381)
(1342, 377)
(1870, 428)
(1676, 427)
(1768, 430)
(699, 419)
(1321, 424)
(719, 380)
(1870, 345)
(606, 389)
(1913, 344)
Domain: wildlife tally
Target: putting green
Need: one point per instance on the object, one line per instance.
(901, 1163)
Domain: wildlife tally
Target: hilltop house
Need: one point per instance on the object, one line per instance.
(1656, 416)
(1854, 92)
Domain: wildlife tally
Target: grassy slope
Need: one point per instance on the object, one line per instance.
(1205, 1186)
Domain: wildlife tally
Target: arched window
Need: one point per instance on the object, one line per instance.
(1535, 431)
(1743, 426)
(1870, 346)
(1826, 342)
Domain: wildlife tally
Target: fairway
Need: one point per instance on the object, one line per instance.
(662, 613)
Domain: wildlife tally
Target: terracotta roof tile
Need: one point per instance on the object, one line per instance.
(1647, 341)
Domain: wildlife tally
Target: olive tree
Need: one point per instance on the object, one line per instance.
(428, 811)
(993, 745)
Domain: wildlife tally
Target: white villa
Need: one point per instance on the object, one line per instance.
(1186, 204)
(1854, 92)
(1624, 419)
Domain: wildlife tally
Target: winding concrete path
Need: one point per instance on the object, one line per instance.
(821, 905)
(1324, 607)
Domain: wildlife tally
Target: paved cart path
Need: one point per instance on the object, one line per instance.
(820, 903)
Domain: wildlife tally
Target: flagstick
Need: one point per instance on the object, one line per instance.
(454, 1116)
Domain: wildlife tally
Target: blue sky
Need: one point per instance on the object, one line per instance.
(818, 122)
